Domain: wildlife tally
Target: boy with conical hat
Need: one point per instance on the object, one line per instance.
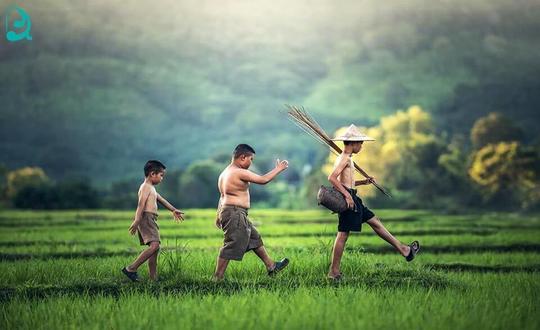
(342, 178)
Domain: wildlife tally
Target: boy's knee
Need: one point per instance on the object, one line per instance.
(374, 222)
(154, 246)
(343, 235)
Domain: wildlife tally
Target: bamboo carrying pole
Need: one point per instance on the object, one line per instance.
(301, 118)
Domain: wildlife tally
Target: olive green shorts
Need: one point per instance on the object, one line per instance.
(148, 229)
(240, 235)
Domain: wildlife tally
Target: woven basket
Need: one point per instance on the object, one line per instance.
(332, 199)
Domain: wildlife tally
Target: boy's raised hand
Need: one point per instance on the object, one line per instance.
(282, 165)
(350, 201)
(177, 214)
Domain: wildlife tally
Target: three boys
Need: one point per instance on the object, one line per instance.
(240, 236)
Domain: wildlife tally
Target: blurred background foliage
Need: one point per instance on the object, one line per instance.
(449, 89)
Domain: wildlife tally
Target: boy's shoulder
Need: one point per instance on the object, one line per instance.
(342, 161)
(146, 186)
(340, 158)
(233, 171)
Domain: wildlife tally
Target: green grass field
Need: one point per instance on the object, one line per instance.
(62, 270)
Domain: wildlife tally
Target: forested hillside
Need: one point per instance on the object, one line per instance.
(104, 86)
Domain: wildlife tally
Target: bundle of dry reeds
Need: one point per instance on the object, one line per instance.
(301, 118)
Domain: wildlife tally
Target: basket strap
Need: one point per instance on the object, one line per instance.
(352, 178)
(351, 164)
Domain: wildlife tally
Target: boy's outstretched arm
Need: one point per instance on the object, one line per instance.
(143, 196)
(177, 214)
(248, 176)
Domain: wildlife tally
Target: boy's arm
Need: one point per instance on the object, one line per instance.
(369, 180)
(248, 176)
(333, 178)
(218, 224)
(143, 196)
(176, 213)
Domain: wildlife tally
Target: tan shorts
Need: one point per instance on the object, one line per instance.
(148, 228)
(240, 235)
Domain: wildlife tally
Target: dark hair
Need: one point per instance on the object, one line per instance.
(243, 149)
(153, 166)
(346, 143)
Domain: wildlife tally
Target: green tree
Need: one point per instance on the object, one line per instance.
(198, 185)
(3, 181)
(37, 197)
(77, 194)
(69, 194)
(494, 128)
(170, 186)
(122, 194)
(507, 172)
(25, 177)
(312, 183)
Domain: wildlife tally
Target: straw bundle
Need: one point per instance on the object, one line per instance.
(301, 118)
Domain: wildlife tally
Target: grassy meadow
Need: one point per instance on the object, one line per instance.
(61, 269)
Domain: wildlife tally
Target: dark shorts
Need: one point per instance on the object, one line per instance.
(239, 234)
(352, 220)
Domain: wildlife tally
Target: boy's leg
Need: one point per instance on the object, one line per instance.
(337, 252)
(263, 255)
(221, 267)
(379, 228)
(152, 265)
(153, 247)
(256, 244)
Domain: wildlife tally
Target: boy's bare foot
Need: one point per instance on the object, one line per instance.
(217, 279)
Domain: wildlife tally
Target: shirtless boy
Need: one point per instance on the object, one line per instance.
(351, 220)
(145, 222)
(239, 234)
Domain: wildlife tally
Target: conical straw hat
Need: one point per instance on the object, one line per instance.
(353, 134)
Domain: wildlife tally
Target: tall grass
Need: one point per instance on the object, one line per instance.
(62, 270)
